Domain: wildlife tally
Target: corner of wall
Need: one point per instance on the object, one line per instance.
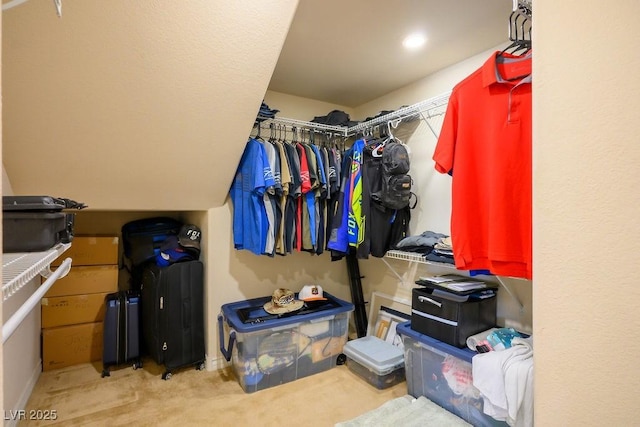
(7, 189)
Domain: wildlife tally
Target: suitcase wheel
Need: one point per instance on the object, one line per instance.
(137, 365)
(105, 373)
(342, 359)
(200, 366)
(166, 376)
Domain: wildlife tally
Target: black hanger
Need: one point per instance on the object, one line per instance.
(518, 32)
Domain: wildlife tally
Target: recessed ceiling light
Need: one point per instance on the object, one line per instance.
(414, 41)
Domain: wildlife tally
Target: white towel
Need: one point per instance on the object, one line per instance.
(518, 384)
(505, 379)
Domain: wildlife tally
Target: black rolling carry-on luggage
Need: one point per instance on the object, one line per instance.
(121, 333)
(173, 315)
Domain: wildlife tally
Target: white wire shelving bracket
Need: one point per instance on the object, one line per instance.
(426, 109)
(419, 259)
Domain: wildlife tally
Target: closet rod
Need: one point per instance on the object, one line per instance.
(9, 327)
(342, 130)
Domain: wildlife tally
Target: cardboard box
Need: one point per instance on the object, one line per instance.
(91, 250)
(89, 279)
(71, 345)
(72, 310)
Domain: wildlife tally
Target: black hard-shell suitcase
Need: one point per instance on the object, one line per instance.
(121, 331)
(36, 223)
(173, 315)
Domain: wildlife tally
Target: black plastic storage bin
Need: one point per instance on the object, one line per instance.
(34, 223)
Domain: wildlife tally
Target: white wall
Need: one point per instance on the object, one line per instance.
(21, 361)
(586, 206)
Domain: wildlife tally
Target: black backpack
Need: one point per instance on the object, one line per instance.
(396, 181)
(141, 242)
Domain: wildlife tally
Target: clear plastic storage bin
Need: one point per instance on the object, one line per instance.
(442, 373)
(375, 360)
(268, 350)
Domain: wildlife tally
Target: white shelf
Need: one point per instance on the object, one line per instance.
(417, 258)
(431, 107)
(18, 269)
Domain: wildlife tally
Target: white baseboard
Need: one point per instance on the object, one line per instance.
(24, 397)
(215, 363)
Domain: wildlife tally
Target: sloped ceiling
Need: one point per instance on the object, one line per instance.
(135, 105)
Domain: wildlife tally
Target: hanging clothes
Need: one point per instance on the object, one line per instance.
(270, 198)
(338, 239)
(286, 181)
(311, 198)
(355, 223)
(252, 180)
(485, 144)
(290, 213)
(358, 222)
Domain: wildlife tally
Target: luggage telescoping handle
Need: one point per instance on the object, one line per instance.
(232, 339)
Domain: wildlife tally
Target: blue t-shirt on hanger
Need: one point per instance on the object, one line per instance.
(253, 177)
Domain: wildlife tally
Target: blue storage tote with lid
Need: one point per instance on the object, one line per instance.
(442, 373)
(266, 350)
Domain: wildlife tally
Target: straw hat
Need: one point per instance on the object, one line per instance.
(282, 301)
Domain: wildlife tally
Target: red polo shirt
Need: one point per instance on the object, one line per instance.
(485, 142)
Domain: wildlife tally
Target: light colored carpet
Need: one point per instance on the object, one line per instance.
(140, 397)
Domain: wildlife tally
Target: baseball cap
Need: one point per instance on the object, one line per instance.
(171, 252)
(189, 236)
(282, 301)
(311, 293)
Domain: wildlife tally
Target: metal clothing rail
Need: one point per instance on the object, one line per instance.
(428, 107)
(301, 124)
(9, 327)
